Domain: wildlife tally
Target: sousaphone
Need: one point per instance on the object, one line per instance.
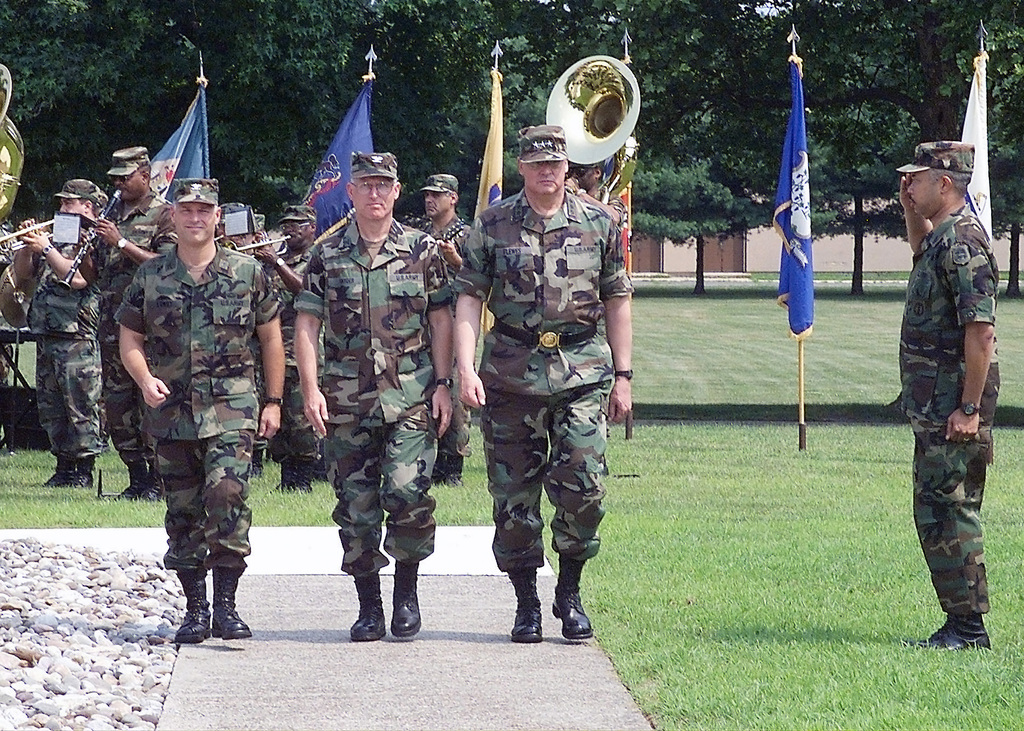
(12, 149)
(597, 102)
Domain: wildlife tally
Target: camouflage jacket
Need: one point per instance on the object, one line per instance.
(148, 225)
(297, 262)
(377, 361)
(544, 275)
(197, 341)
(953, 282)
(62, 312)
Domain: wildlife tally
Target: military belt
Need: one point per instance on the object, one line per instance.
(546, 338)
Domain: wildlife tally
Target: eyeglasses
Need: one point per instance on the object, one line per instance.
(123, 178)
(381, 188)
(294, 226)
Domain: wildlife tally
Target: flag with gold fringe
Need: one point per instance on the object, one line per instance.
(491, 170)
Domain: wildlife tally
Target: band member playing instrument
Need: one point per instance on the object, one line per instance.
(65, 321)
(296, 446)
(140, 229)
(440, 198)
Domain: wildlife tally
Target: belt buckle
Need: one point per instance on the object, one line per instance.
(549, 339)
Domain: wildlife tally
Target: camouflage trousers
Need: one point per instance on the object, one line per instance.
(69, 392)
(124, 408)
(378, 469)
(555, 443)
(949, 483)
(296, 438)
(206, 484)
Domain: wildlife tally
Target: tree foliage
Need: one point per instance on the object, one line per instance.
(880, 75)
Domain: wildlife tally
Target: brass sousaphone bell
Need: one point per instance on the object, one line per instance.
(12, 149)
(597, 102)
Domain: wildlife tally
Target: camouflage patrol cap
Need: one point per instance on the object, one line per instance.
(374, 165)
(197, 190)
(441, 183)
(127, 160)
(954, 157)
(542, 143)
(82, 189)
(298, 214)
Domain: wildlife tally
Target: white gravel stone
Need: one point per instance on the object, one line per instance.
(86, 638)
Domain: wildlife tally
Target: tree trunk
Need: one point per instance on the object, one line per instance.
(858, 245)
(698, 287)
(1013, 276)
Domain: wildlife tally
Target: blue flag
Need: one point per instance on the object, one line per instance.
(187, 153)
(327, 192)
(792, 219)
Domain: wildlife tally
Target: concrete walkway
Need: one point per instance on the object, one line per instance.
(299, 670)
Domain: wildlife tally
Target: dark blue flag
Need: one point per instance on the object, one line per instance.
(186, 154)
(792, 219)
(327, 192)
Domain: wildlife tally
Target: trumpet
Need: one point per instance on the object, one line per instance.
(228, 244)
(21, 232)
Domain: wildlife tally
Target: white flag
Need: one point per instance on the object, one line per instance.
(976, 132)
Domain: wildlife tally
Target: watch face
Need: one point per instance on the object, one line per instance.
(968, 409)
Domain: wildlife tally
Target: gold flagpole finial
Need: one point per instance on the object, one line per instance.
(625, 46)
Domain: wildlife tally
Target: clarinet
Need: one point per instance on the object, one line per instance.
(87, 244)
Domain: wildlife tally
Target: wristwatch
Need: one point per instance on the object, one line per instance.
(272, 400)
(444, 382)
(122, 242)
(969, 409)
(628, 375)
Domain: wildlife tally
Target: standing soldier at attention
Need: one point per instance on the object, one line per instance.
(550, 267)
(379, 289)
(65, 321)
(440, 197)
(950, 381)
(296, 446)
(186, 323)
(138, 229)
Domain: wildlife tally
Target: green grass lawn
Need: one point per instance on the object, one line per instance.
(743, 583)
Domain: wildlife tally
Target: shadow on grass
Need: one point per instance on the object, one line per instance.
(1006, 416)
(894, 292)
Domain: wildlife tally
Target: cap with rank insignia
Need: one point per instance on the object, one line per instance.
(197, 190)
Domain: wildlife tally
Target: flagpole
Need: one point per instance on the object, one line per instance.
(802, 425)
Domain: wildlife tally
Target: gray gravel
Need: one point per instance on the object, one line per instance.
(86, 637)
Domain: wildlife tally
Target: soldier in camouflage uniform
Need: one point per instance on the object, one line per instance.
(380, 291)
(550, 269)
(950, 381)
(440, 198)
(138, 229)
(297, 445)
(186, 323)
(65, 321)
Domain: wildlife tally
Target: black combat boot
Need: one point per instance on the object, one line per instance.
(960, 632)
(141, 483)
(226, 622)
(369, 627)
(405, 620)
(64, 474)
(527, 624)
(83, 472)
(256, 468)
(567, 606)
(304, 472)
(196, 626)
(289, 480)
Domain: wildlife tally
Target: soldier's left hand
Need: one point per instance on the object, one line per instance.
(620, 404)
(441, 409)
(270, 420)
(962, 428)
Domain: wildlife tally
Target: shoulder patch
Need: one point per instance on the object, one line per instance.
(961, 254)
